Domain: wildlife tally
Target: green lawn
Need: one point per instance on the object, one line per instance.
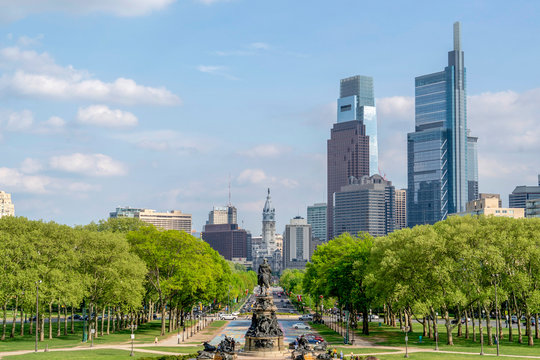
(432, 355)
(105, 354)
(144, 334)
(389, 336)
(175, 349)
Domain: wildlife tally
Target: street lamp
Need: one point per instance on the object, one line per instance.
(496, 315)
(133, 327)
(406, 330)
(37, 311)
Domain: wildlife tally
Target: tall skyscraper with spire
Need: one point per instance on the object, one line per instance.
(352, 147)
(437, 151)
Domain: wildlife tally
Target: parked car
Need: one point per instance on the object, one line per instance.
(514, 319)
(227, 317)
(236, 313)
(301, 326)
(313, 338)
(306, 317)
(373, 317)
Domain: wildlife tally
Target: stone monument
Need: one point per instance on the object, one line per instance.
(264, 337)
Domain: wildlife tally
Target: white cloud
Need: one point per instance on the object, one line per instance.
(265, 150)
(31, 74)
(210, 2)
(19, 121)
(249, 50)
(31, 166)
(258, 176)
(101, 115)
(14, 10)
(168, 140)
(17, 181)
(396, 107)
(216, 70)
(25, 41)
(88, 164)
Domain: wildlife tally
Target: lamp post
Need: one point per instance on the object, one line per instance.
(496, 315)
(406, 330)
(37, 312)
(133, 327)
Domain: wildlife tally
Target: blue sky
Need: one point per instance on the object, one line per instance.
(157, 103)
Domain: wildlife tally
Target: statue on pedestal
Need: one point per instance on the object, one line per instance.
(264, 277)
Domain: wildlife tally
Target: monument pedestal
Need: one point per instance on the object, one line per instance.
(264, 337)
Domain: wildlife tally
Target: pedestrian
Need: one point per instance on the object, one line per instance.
(155, 340)
(335, 353)
(341, 354)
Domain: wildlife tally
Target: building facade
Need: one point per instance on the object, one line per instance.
(401, 208)
(490, 206)
(352, 147)
(173, 220)
(316, 217)
(298, 244)
(365, 205)
(518, 198)
(472, 168)
(222, 215)
(437, 151)
(228, 240)
(532, 208)
(7, 208)
(269, 226)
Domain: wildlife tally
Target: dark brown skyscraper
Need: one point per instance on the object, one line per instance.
(348, 155)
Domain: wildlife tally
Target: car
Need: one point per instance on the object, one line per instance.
(514, 319)
(373, 317)
(227, 317)
(313, 338)
(236, 313)
(301, 326)
(307, 317)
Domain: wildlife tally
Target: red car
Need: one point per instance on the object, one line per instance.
(313, 338)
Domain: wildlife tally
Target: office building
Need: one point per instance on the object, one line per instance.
(518, 198)
(352, 147)
(298, 244)
(472, 168)
(173, 220)
(222, 215)
(489, 206)
(367, 205)
(7, 208)
(491, 196)
(437, 151)
(532, 208)
(228, 240)
(401, 208)
(316, 217)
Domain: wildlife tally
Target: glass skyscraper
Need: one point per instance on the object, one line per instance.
(437, 151)
(316, 217)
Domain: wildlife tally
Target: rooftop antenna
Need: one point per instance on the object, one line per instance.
(229, 190)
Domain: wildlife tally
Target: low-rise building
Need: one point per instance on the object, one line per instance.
(490, 206)
(173, 220)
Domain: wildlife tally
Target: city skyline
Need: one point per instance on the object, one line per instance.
(155, 108)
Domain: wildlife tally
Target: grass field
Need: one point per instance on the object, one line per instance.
(104, 354)
(175, 349)
(144, 334)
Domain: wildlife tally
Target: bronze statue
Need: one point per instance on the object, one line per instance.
(264, 277)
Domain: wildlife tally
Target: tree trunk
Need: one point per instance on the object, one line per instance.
(41, 328)
(473, 326)
(488, 326)
(430, 333)
(50, 320)
(424, 327)
(480, 333)
(170, 319)
(65, 320)
(163, 312)
(108, 320)
(448, 324)
(536, 332)
(102, 320)
(72, 320)
(498, 315)
(459, 330)
(59, 323)
(435, 327)
(530, 340)
(4, 322)
(31, 323)
(466, 324)
(365, 321)
(23, 320)
(510, 327)
(14, 323)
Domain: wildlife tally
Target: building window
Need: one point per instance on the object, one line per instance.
(346, 108)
